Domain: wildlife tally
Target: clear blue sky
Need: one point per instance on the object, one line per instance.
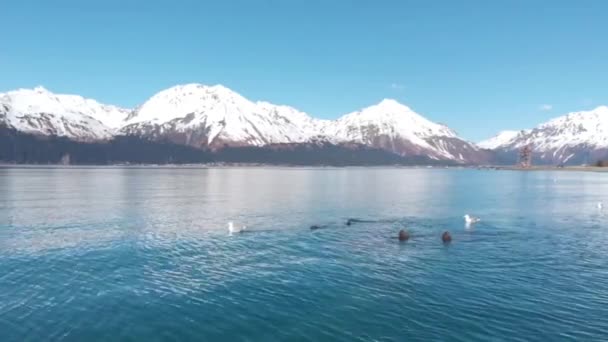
(477, 66)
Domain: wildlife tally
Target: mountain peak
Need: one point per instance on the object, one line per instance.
(41, 90)
(199, 91)
(178, 101)
(198, 87)
(388, 102)
(392, 104)
(601, 109)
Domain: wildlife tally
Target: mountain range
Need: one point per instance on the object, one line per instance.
(227, 127)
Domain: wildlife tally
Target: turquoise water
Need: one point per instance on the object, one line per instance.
(142, 254)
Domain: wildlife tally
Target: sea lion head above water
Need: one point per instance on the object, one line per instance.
(404, 235)
(446, 237)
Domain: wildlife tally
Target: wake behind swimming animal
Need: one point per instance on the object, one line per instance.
(352, 221)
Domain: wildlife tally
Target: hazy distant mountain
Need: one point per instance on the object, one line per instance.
(575, 138)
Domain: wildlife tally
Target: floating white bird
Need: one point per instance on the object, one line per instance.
(232, 229)
(471, 219)
(600, 205)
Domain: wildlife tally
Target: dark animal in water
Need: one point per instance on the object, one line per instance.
(446, 237)
(352, 221)
(404, 235)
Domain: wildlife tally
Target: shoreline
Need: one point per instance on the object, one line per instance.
(578, 168)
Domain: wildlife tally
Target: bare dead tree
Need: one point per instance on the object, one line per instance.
(525, 157)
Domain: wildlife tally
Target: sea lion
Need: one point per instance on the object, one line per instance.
(404, 235)
(446, 237)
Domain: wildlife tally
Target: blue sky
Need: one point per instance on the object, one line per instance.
(477, 66)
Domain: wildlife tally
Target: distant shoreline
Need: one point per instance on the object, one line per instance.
(229, 165)
(295, 166)
(547, 168)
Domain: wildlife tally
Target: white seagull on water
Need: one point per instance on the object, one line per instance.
(600, 205)
(232, 229)
(471, 219)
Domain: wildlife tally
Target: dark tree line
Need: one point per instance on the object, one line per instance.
(20, 148)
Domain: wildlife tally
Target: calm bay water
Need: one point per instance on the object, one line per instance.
(143, 254)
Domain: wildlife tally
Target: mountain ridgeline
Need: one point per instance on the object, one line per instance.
(573, 139)
(195, 123)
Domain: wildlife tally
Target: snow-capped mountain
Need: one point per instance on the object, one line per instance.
(212, 117)
(41, 112)
(501, 139)
(201, 116)
(577, 137)
(395, 127)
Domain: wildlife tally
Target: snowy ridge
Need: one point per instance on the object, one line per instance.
(575, 138)
(585, 127)
(42, 112)
(573, 129)
(501, 139)
(201, 115)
